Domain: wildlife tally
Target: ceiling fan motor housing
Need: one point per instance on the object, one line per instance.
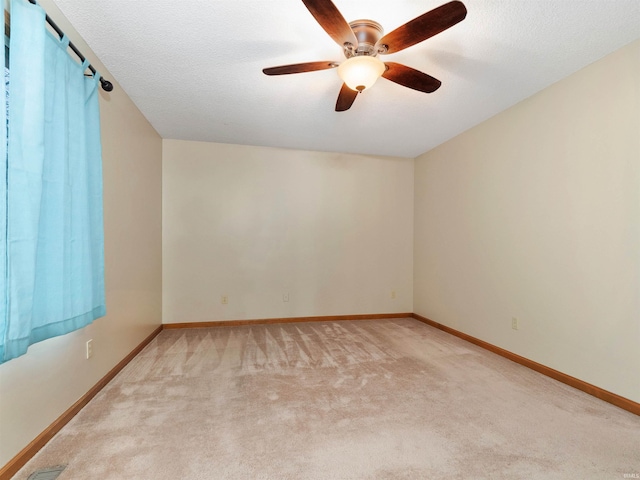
(368, 33)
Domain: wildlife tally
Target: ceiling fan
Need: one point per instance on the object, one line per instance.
(362, 41)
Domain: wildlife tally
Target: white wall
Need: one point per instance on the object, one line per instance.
(535, 214)
(39, 386)
(334, 231)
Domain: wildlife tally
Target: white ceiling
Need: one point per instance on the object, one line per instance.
(194, 67)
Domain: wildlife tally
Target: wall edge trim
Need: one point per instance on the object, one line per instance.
(600, 393)
(17, 462)
(268, 321)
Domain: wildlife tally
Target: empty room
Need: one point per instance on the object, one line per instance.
(320, 239)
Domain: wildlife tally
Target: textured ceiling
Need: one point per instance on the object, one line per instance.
(194, 68)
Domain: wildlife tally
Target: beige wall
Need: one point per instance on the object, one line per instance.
(39, 386)
(334, 231)
(535, 214)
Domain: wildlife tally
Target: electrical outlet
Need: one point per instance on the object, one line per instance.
(393, 294)
(285, 297)
(514, 323)
(224, 299)
(89, 349)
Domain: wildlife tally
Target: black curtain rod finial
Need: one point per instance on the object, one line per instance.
(107, 86)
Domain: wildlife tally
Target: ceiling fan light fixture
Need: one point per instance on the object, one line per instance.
(361, 72)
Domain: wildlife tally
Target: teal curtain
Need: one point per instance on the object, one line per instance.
(54, 259)
(3, 195)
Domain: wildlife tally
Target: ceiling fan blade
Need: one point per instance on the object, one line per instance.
(330, 18)
(411, 78)
(299, 68)
(424, 26)
(345, 98)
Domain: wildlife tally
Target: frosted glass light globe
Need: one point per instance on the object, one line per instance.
(360, 73)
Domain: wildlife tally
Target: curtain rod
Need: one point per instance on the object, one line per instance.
(107, 86)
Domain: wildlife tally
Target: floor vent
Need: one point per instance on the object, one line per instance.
(50, 473)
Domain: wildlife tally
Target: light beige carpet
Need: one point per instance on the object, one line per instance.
(379, 399)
